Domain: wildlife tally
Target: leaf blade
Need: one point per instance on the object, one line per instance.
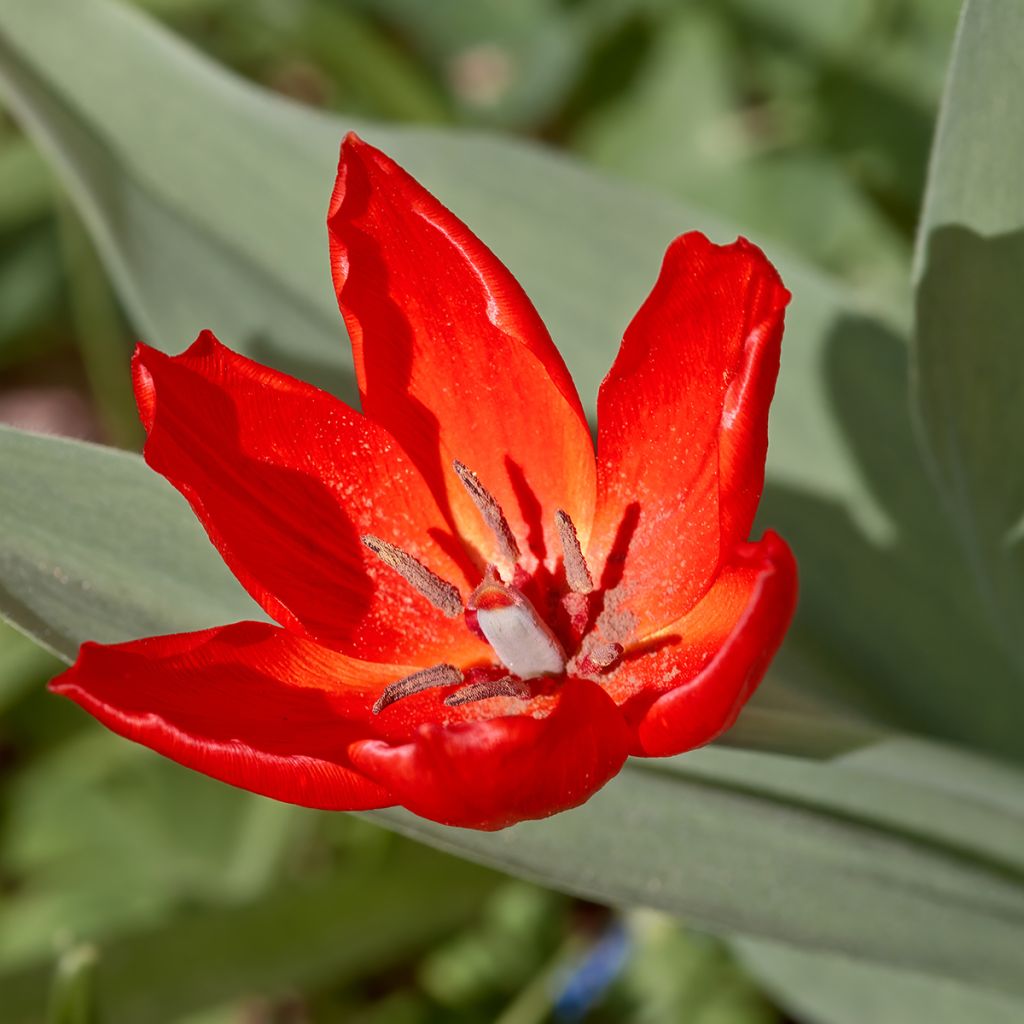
(967, 373)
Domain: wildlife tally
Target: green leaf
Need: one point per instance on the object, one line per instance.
(825, 988)
(904, 853)
(882, 611)
(148, 571)
(969, 376)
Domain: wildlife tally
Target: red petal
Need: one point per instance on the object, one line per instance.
(250, 704)
(286, 479)
(491, 773)
(683, 427)
(453, 359)
(700, 671)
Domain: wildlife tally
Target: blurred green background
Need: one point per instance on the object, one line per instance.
(808, 123)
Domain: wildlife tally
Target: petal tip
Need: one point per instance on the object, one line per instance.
(59, 685)
(206, 346)
(696, 243)
(142, 384)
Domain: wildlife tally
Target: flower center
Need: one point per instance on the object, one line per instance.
(521, 639)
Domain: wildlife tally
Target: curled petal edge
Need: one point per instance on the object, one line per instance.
(701, 709)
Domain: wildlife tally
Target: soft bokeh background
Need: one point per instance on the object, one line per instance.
(808, 123)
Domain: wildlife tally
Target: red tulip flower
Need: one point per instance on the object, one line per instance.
(474, 616)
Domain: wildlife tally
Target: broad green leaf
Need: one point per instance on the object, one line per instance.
(927, 651)
(901, 853)
(825, 988)
(969, 374)
(155, 559)
(217, 220)
(327, 929)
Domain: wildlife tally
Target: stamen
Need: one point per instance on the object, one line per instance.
(504, 687)
(577, 575)
(490, 510)
(425, 679)
(440, 593)
(603, 656)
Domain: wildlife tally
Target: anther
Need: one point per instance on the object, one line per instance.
(504, 687)
(440, 593)
(603, 656)
(425, 679)
(490, 510)
(577, 575)
(600, 658)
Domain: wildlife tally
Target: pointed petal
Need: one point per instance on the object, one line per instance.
(490, 773)
(697, 674)
(285, 479)
(249, 704)
(683, 427)
(453, 359)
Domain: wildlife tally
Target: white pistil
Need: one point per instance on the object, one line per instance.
(519, 637)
